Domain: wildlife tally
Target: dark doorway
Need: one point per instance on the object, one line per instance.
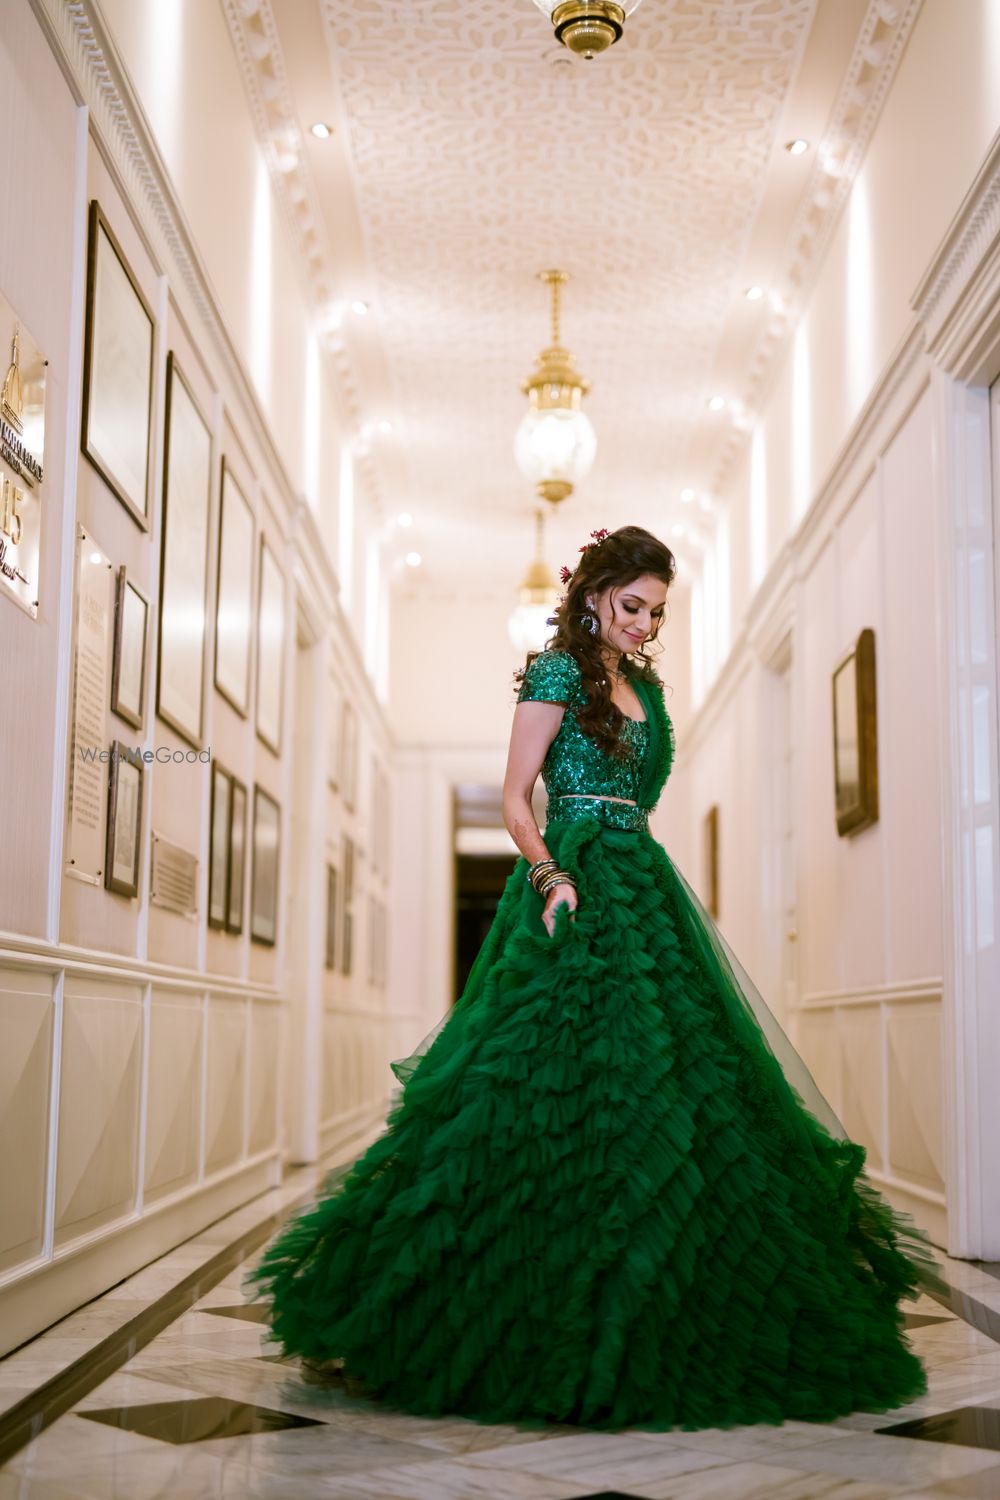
(479, 883)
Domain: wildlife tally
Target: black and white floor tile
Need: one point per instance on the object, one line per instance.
(207, 1411)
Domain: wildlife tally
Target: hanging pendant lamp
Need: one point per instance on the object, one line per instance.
(587, 27)
(555, 444)
(528, 626)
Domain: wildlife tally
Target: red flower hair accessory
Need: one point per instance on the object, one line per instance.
(599, 536)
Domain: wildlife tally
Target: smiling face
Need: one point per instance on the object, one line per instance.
(630, 613)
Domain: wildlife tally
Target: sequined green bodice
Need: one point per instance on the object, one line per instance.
(576, 770)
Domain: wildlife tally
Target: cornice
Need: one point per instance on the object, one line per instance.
(956, 297)
(257, 46)
(869, 76)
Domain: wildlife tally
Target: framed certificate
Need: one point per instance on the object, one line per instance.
(187, 488)
(234, 595)
(117, 372)
(128, 673)
(121, 865)
(237, 856)
(218, 846)
(270, 647)
(264, 880)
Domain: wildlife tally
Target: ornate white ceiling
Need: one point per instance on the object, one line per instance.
(476, 152)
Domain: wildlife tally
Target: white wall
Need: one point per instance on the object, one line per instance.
(147, 1056)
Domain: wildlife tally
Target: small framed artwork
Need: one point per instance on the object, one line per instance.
(234, 595)
(711, 844)
(264, 876)
(218, 846)
(117, 372)
(121, 864)
(187, 494)
(128, 672)
(331, 917)
(855, 737)
(348, 899)
(334, 733)
(237, 856)
(348, 754)
(270, 647)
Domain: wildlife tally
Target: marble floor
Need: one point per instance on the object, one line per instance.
(206, 1409)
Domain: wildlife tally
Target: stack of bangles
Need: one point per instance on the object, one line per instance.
(546, 874)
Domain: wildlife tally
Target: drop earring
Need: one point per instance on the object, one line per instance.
(590, 621)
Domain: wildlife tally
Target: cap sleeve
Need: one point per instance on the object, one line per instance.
(553, 677)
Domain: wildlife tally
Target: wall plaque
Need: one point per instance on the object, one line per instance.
(173, 878)
(22, 444)
(88, 766)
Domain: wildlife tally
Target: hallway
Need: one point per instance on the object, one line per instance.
(336, 339)
(177, 1391)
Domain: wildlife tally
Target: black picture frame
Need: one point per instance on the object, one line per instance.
(266, 866)
(191, 732)
(124, 824)
(235, 891)
(331, 917)
(346, 947)
(270, 576)
(134, 498)
(231, 497)
(125, 592)
(855, 737)
(219, 824)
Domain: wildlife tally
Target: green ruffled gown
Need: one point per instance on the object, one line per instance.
(600, 1198)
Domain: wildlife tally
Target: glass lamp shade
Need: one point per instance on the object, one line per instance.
(528, 626)
(555, 449)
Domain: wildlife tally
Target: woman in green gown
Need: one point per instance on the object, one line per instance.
(609, 1193)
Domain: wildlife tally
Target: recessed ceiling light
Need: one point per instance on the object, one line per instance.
(358, 307)
(321, 130)
(797, 146)
(384, 426)
(677, 529)
(717, 403)
(754, 293)
(414, 559)
(687, 496)
(404, 518)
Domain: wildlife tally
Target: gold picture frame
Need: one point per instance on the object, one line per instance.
(711, 846)
(855, 737)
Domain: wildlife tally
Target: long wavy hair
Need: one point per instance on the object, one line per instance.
(622, 557)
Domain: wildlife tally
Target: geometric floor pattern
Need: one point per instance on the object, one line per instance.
(207, 1411)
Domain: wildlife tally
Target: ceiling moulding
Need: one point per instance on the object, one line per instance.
(877, 52)
(254, 35)
(78, 38)
(956, 299)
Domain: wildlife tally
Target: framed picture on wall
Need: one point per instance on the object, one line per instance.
(346, 953)
(218, 846)
(270, 647)
(333, 743)
(331, 917)
(128, 669)
(348, 754)
(237, 857)
(855, 737)
(264, 876)
(711, 844)
(234, 594)
(121, 864)
(117, 371)
(187, 494)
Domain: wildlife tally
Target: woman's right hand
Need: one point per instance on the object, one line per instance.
(559, 895)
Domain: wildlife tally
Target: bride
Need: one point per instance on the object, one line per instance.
(609, 1192)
